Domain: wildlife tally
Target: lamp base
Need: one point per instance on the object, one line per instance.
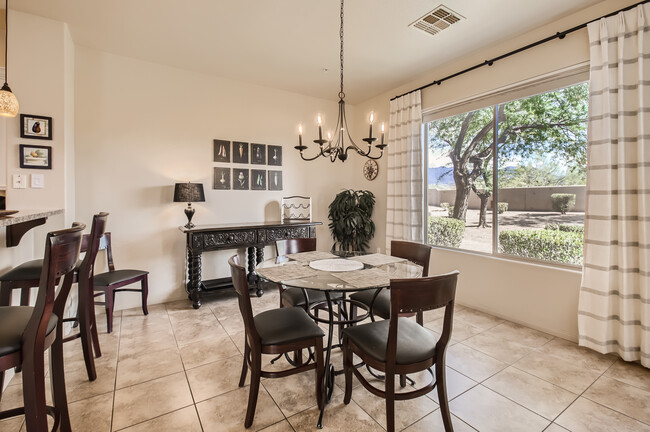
(189, 212)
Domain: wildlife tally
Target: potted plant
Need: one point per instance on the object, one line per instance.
(350, 216)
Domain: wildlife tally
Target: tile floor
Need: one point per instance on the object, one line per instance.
(178, 369)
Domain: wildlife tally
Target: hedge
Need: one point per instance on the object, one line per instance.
(563, 202)
(545, 244)
(448, 207)
(580, 229)
(446, 231)
(502, 207)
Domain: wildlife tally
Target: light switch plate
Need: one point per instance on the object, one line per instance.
(19, 181)
(38, 181)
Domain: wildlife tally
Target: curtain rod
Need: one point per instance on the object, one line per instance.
(558, 35)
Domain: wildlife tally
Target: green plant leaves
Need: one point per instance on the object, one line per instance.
(350, 215)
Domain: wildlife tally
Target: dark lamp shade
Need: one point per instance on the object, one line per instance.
(189, 192)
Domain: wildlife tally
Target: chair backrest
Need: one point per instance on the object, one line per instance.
(61, 254)
(105, 244)
(240, 282)
(422, 294)
(290, 246)
(91, 245)
(416, 252)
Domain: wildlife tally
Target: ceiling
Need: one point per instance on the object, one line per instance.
(288, 44)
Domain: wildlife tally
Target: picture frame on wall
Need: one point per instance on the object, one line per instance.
(275, 155)
(239, 152)
(240, 179)
(221, 178)
(258, 179)
(275, 180)
(35, 156)
(35, 127)
(258, 154)
(221, 151)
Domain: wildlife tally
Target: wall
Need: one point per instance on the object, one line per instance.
(141, 127)
(542, 297)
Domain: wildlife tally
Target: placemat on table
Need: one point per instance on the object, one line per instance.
(371, 277)
(307, 257)
(377, 259)
(286, 272)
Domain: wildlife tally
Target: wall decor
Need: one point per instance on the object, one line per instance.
(240, 179)
(258, 154)
(258, 179)
(35, 156)
(240, 152)
(221, 178)
(370, 169)
(275, 155)
(221, 151)
(37, 127)
(275, 180)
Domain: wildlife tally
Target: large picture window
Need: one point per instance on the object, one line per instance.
(510, 178)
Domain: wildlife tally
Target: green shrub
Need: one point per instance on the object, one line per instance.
(580, 229)
(446, 231)
(563, 202)
(502, 207)
(546, 244)
(448, 207)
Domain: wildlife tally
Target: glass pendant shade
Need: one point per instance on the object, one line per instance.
(8, 102)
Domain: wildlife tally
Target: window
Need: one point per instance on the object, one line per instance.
(537, 189)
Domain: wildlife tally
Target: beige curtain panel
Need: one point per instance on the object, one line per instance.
(405, 180)
(614, 310)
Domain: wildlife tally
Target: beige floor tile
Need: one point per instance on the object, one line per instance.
(508, 351)
(460, 331)
(78, 387)
(433, 422)
(337, 417)
(282, 426)
(624, 398)
(472, 363)
(208, 350)
(294, 393)
(154, 310)
(537, 395)
(227, 412)
(147, 366)
(580, 356)
(563, 373)
(147, 340)
(93, 414)
(232, 323)
(478, 319)
(457, 384)
(436, 314)
(555, 428)
(187, 332)
(520, 334)
(150, 399)
(478, 406)
(239, 339)
(185, 419)
(214, 379)
(587, 416)
(12, 424)
(630, 373)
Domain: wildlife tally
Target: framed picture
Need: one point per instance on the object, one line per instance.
(35, 156)
(221, 179)
(37, 127)
(240, 179)
(275, 180)
(221, 151)
(258, 179)
(275, 155)
(258, 154)
(240, 152)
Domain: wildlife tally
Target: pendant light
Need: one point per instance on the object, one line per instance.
(8, 101)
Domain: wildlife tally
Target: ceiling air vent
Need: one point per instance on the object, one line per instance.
(437, 20)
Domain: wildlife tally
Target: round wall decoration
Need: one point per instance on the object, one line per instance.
(370, 169)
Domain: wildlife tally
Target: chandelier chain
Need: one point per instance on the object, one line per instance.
(341, 94)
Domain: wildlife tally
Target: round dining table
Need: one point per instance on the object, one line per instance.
(340, 273)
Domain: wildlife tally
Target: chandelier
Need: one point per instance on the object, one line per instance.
(334, 147)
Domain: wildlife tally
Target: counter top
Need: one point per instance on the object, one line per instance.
(28, 215)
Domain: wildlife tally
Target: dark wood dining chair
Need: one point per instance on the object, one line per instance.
(275, 331)
(399, 346)
(113, 281)
(26, 332)
(418, 253)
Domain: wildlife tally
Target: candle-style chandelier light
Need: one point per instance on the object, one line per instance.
(334, 148)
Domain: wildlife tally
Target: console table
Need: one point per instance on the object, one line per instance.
(204, 238)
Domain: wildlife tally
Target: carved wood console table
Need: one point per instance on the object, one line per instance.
(204, 238)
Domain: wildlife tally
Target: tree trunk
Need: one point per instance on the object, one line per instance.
(482, 219)
(462, 200)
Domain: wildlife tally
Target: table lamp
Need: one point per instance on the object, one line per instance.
(189, 193)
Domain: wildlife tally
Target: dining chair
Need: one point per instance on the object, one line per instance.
(399, 346)
(275, 331)
(111, 282)
(27, 332)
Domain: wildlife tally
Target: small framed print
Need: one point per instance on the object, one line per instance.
(240, 179)
(240, 152)
(37, 127)
(221, 151)
(275, 180)
(275, 155)
(221, 178)
(258, 154)
(35, 156)
(258, 179)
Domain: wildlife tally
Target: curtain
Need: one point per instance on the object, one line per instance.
(405, 180)
(614, 310)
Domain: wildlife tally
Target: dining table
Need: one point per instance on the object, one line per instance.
(336, 273)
